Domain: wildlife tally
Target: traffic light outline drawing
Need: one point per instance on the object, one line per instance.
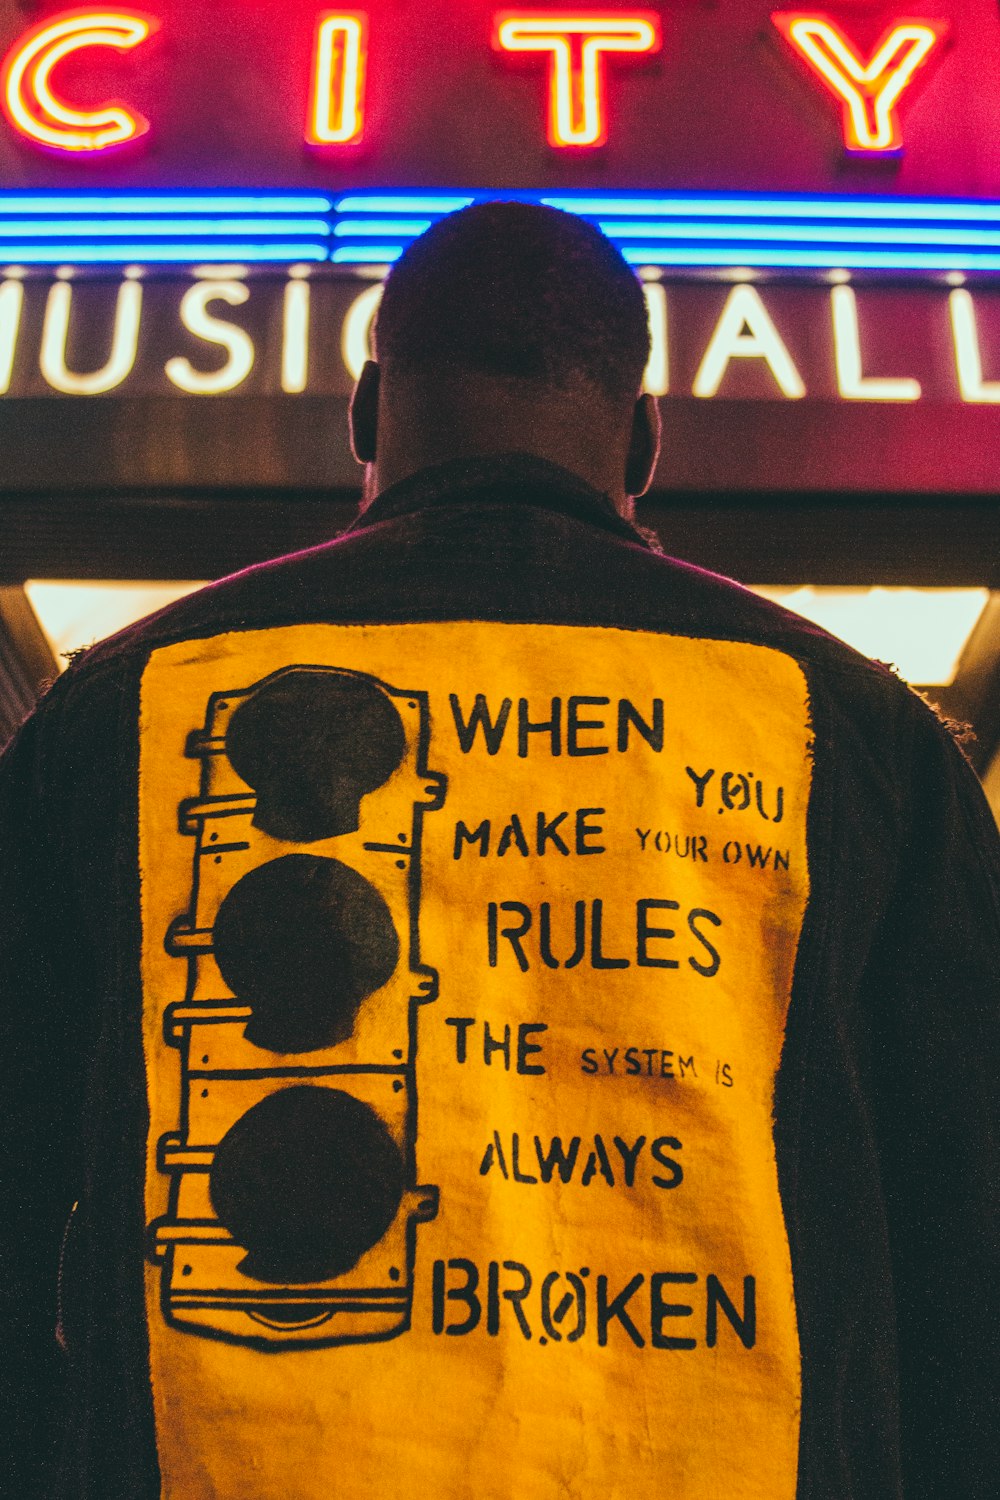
(293, 1202)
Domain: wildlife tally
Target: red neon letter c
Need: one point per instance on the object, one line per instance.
(36, 112)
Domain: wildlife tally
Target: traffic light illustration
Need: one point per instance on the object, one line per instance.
(294, 1202)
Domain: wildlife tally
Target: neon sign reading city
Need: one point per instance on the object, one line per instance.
(573, 47)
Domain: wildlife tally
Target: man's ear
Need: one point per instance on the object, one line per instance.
(644, 446)
(363, 416)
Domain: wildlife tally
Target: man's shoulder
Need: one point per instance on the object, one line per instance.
(465, 562)
(513, 540)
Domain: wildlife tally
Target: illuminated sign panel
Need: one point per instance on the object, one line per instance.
(198, 203)
(307, 333)
(693, 232)
(33, 105)
(868, 89)
(677, 95)
(577, 47)
(336, 101)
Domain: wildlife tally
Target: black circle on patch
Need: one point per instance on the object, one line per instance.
(306, 1181)
(304, 940)
(312, 743)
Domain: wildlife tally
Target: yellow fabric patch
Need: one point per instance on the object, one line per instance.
(467, 952)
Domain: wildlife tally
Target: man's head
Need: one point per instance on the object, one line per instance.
(510, 328)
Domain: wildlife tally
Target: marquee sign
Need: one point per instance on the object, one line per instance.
(201, 201)
(323, 121)
(225, 332)
(577, 45)
(361, 96)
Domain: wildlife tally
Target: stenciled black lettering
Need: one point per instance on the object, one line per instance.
(586, 830)
(745, 1323)
(615, 1311)
(552, 727)
(546, 832)
(700, 783)
(598, 958)
(735, 788)
(461, 1025)
(598, 1161)
(779, 810)
(630, 1156)
(494, 1151)
(644, 932)
(466, 1294)
(480, 836)
(480, 718)
(526, 1048)
(701, 913)
(513, 833)
(658, 1151)
(492, 1044)
(574, 725)
(558, 1158)
(514, 1295)
(493, 1298)
(660, 1309)
(551, 1316)
(545, 935)
(515, 1161)
(628, 715)
(513, 934)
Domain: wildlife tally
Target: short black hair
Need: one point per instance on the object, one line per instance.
(520, 291)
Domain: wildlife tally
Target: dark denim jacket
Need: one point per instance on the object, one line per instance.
(884, 1108)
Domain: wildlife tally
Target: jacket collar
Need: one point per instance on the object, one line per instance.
(510, 479)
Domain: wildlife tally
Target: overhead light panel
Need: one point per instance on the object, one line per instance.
(74, 615)
(922, 632)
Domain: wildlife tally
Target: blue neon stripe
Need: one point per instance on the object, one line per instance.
(379, 227)
(751, 229)
(783, 231)
(943, 209)
(151, 252)
(156, 228)
(408, 203)
(365, 255)
(159, 203)
(742, 255)
(825, 234)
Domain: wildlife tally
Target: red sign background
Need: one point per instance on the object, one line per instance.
(723, 104)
